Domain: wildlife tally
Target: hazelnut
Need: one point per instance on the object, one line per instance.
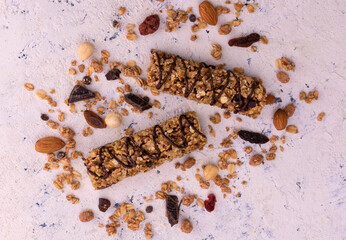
(113, 120)
(186, 226)
(86, 216)
(85, 50)
(210, 172)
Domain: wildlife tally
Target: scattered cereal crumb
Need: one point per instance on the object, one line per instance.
(216, 51)
(193, 38)
(121, 11)
(321, 116)
(264, 40)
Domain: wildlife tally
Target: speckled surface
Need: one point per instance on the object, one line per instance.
(300, 195)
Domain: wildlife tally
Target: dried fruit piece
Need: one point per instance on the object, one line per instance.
(86, 80)
(186, 226)
(292, 129)
(256, 160)
(104, 204)
(149, 209)
(86, 216)
(94, 120)
(85, 50)
(210, 172)
(141, 103)
(113, 120)
(150, 25)
(283, 77)
(253, 137)
(49, 144)
(44, 117)
(173, 209)
(280, 119)
(80, 93)
(210, 203)
(246, 41)
(113, 74)
(208, 13)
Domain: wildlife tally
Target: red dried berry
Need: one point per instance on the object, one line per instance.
(150, 25)
(209, 204)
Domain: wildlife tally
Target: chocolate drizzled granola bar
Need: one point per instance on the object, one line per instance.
(206, 84)
(144, 150)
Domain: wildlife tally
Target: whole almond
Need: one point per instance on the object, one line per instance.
(208, 13)
(49, 144)
(94, 120)
(280, 119)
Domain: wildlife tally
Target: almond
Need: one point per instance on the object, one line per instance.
(94, 120)
(208, 13)
(280, 119)
(49, 144)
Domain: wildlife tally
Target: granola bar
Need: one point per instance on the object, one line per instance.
(144, 150)
(206, 84)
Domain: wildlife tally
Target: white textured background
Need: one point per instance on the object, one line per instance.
(300, 195)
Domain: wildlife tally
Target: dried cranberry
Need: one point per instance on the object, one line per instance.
(150, 25)
(210, 203)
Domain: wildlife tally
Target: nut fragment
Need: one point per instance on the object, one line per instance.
(86, 216)
(216, 51)
(292, 129)
(85, 50)
(256, 160)
(189, 163)
(113, 120)
(210, 172)
(283, 77)
(285, 64)
(290, 109)
(225, 29)
(121, 11)
(186, 226)
(231, 168)
(66, 132)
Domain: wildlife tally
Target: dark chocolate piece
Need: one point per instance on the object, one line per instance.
(253, 137)
(173, 209)
(137, 102)
(113, 74)
(104, 204)
(80, 93)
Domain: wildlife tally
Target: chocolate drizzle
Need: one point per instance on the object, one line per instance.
(242, 104)
(138, 148)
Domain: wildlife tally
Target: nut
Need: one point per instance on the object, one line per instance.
(186, 226)
(256, 160)
(292, 129)
(289, 109)
(280, 119)
(85, 50)
(113, 120)
(208, 13)
(86, 216)
(321, 116)
(210, 172)
(283, 77)
(94, 120)
(49, 144)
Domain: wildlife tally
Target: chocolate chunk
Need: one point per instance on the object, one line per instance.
(137, 102)
(94, 120)
(113, 74)
(149, 209)
(173, 209)
(149, 164)
(61, 155)
(80, 93)
(192, 18)
(251, 104)
(44, 117)
(253, 137)
(104, 204)
(86, 80)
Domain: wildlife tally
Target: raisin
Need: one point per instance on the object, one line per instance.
(149, 209)
(172, 208)
(104, 204)
(253, 137)
(209, 204)
(44, 117)
(246, 41)
(192, 18)
(61, 155)
(150, 25)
